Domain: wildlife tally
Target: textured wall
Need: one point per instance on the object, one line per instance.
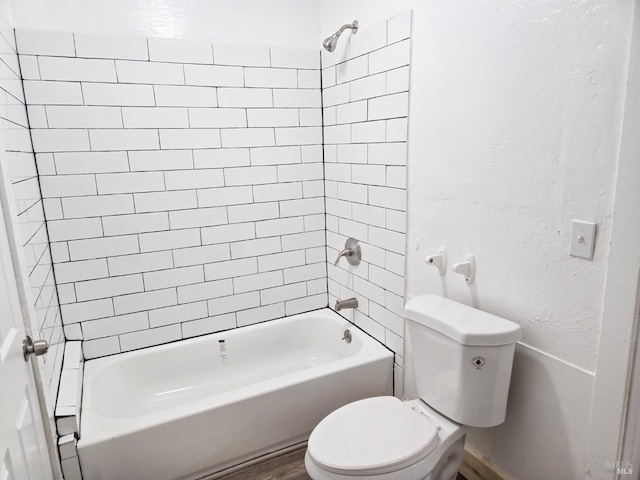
(365, 89)
(182, 183)
(515, 116)
(18, 162)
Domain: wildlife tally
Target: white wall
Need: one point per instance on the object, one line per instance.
(515, 120)
(291, 23)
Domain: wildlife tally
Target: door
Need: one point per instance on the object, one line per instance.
(23, 447)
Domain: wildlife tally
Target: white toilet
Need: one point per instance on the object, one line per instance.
(462, 360)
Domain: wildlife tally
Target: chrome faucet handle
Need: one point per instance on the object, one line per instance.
(351, 251)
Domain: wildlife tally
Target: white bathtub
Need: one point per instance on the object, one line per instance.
(182, 411)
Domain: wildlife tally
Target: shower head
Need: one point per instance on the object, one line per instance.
(330, 42)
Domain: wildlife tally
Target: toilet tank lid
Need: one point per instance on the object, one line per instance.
(464, 324)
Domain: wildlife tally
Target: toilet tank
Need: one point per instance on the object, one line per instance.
(462, 359)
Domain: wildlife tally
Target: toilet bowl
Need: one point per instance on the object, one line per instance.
(383, 438)
(462, 359)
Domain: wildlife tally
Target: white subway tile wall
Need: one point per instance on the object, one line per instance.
(19, 165)
(365, 100)
(183, 184)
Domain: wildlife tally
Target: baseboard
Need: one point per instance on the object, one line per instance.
(475, 467)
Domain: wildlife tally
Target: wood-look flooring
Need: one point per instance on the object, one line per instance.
(289, 466)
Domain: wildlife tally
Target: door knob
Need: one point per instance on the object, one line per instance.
(39, 347)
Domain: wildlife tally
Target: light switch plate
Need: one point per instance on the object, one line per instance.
(583, 237)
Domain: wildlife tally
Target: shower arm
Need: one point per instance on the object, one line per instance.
(353, 26)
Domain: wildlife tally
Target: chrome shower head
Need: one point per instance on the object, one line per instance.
(330, 42)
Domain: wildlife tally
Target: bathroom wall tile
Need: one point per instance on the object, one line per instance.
(190, 179)
(139, 117)
(177, 96)
(138, 263)
(306, 304)
(125, 47)
(230, 268)
(247, 137)
(130, 139)
(233, 303)
(45, 42)
(201, 217)
(214, 76)
(189, 138)
(178, 314)
(389, 106)
(83, 117)
(153, 242)
(245, 97)
(103, 247)
(368, 132)
(60, 140)
(230, 157)
(137, 223)
(141, 178)
(60, 230)
(270, 77)
(160, 160)
(77, 312)
(109, 183)
(281, 260)
(209, 325)
(368, 87)
(308, 79)
(388, 58)
(106, 94)
(84, 270)
(153, 336)
(275, 155)
(139, 302)
(260, 314)
(224, 196)
(77, 69)
(180, 51)
(201, 255)
(298, 136)
(163, 201)
(29, 67)
(108, 287)
(399, 28)
(373, 38)
(398, 80)
(115, 325)
(218, 118)
(101, 347)
(243, 55)
(80, 207)
(297, 98)
(295, 58)
(277, 191)
(272, 117)
(228, 233)
(352, 69)
(173, 278)
(149, 72)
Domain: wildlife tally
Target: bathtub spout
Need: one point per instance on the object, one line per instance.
(348, 303)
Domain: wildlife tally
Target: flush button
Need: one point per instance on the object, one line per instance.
(478, 362)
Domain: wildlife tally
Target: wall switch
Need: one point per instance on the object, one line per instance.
(583, 237)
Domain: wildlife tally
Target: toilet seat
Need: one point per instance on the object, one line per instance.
(372, 436)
